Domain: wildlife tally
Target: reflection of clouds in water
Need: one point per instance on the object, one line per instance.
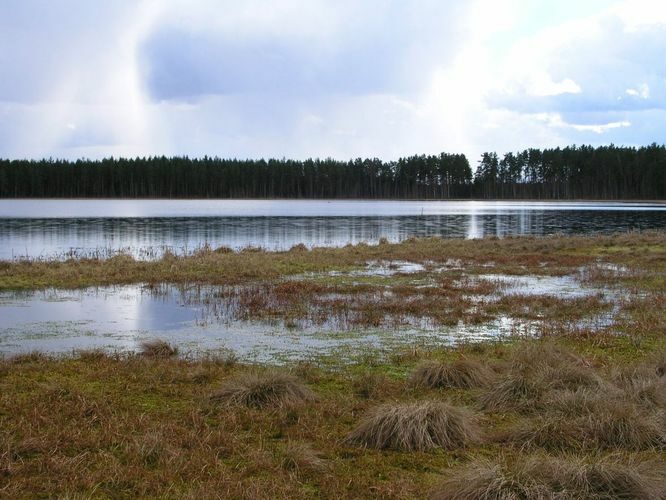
(210, 317)
(115, 316)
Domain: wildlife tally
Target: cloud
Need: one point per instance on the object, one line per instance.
(603, 63)
(643, 91)
(294, 51)
(555, 120)
(342, 78)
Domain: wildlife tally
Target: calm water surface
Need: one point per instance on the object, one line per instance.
(145, 228)
(205, 318)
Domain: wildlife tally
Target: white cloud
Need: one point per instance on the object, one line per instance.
(643, 91)
(555, 120)
(542, 85)
(323, 78)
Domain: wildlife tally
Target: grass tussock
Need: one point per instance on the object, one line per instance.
(606, 424)
(417, 427)
(301, 459)
(514, 391)
(544, 477)
(460, 374)
(546, 353)
(271, 389)
(91, 355)
(534, 370)
(157, 348)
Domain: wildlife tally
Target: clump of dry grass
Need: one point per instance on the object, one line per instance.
(300, 459)
(515, 391)
(461, 374)
(535, 369)
(644, 383)
(544, 477)
(544, 354)
(157, 348)
(569, 377)
(417, 427)
(28, 357)
(577, 402)
(91, 355)
(612, 424)
(648, 392)
(223, 250)
(299, 247)
(261, 390)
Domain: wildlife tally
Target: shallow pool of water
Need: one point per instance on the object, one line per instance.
(208, 318)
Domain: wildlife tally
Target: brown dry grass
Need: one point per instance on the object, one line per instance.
(602, 424)
(544, 477)
(301, 460)
(551, 254)
(118, 425)
(417, 427)
(271, 389)
(461, 374)
(157, 348)
(121, 426)
(535, 369)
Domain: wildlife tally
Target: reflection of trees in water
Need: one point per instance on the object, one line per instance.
(147, 237)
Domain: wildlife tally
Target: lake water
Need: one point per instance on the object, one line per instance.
(145, 228)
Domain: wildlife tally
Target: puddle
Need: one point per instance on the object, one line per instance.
(199, 319)
(383, 268)
(565, 287)
(208, 318)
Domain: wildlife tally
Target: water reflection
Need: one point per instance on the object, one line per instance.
(148, 237)
(204, 318)
(119, 318)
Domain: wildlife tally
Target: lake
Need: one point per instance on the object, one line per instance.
(145, 228)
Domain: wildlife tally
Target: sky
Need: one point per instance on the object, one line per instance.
(327, 78)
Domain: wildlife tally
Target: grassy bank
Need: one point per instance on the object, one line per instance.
(513, 418)
(577, 412)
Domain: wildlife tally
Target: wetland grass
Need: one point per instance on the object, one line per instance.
(552, 255)
(461, 374)
(270, 389)
(417, 426)
(545, 477)
(117, 425)
(157, 348)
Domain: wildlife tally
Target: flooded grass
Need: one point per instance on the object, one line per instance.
(551, 255)
(377, 380)
(368, 292)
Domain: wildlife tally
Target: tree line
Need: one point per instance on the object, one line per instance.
(606, 172)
